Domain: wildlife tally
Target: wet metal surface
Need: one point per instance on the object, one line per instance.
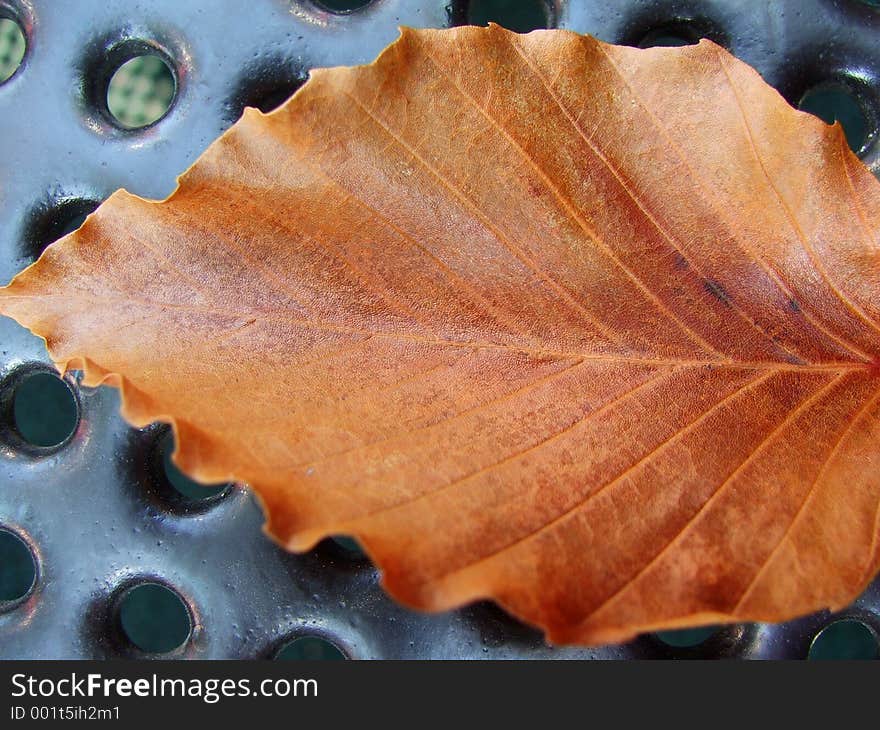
(96, 510)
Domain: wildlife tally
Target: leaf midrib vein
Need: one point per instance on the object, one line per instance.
(286, 316)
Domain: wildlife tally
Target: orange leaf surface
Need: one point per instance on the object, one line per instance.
(588, 330)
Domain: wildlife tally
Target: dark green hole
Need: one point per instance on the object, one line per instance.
(845, 639)
(686, 638)
(76, 219)
(273, 99)
(154, 618)
(342, 6)
(666, 37)
(348, 546)
(12, 47)
(837, 102)
(520, 16)
(190, 490)
(64, 217)
(44, 410)
(310, 647)
(18, 570)
(140, 91)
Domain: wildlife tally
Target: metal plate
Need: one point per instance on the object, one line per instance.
(95, 510)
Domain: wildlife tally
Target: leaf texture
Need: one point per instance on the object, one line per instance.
(588, 330)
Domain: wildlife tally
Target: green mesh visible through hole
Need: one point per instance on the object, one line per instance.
(190, 490)
(837, 102)
(310, 647)
(520, 16)
(845, 639)
(18, 571)
(12, 48)
(685, 638)
(44, 410)
(349, 546)
(140, 91)
(154, 618)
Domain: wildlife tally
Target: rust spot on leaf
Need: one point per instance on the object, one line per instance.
(717, 291)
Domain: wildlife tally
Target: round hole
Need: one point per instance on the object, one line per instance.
(140, 91)
(187, 490)
(349, 547)
(274, 98)
(44, 409)
(56, 220)
(520, 16)
(310, 647)
(651, 31)
(18, 569)
(686, 638)
(342, 6)
(845, 639)
(666, 37)
(266, 88)
(837, 102)
(154, 618)
(12, 48)
(73, 216)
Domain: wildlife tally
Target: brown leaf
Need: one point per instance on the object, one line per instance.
(589, 330)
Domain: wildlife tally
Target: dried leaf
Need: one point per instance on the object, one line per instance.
(589, 330)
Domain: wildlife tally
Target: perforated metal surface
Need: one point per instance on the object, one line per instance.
(95, 510)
